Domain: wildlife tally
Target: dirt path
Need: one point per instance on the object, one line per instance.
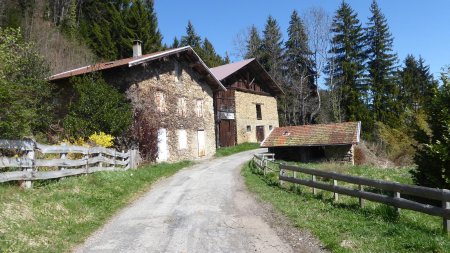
(204, 208)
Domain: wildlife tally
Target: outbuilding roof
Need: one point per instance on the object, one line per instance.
(314, 135)
(227, 70)
(133, 61)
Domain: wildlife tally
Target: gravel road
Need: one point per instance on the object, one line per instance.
(204, 208)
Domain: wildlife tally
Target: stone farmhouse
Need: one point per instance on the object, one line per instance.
(315, 143)
(174, 88)
(247, 110)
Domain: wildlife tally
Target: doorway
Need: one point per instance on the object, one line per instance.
(259, 133)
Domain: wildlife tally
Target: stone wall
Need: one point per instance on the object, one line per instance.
(341, 153)
(246, 115)
(142, 84)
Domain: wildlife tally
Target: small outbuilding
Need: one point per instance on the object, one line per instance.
(315, 143)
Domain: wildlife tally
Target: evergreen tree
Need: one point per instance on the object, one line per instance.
(433, 152)
(381, 67)
(141, 20)
(175, 43)
(110, 27)
(191, 38)
(272, 50)
(416, 84)
(346, 65)
(298, 73)
(226, 59)
(209, 55)
(254, 44)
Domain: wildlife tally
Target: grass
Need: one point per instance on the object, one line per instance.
(57, 215)
(226, 151)
(342, 226)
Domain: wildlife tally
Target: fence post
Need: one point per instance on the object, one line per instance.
(100, 164)
(397, 195)
(281, 174)
(62, 156)
(28, 183)
(295, 176)
(335, 195)
(314, 189)
(86, 156)
(445, 221)
(265, 166)
(123, 159)
(361, 200)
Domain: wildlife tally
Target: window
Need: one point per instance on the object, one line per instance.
(258, 112)
(249, 128)
(182, 139)
(160, 101)
(270, 127)
(181, 107)
(178, 72)
(199, 108)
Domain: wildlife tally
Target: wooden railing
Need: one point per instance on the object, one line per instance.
(397, 190)
(85, 160)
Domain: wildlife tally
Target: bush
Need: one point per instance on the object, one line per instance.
(102, 139)
(360, 157)
(397, 143)
(96, 107)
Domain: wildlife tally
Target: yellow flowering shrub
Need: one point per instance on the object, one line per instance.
(102, 139)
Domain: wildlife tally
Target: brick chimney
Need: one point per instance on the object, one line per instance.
(137, 48)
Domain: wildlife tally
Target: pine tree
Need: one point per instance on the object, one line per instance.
(416, 84)
(433, 152)
(175, 43)
(272, 50)
(209, 55)
(298, 73)
(191, 38)
(381, 67)
(141, 19)
(110, 27)
(254, 44)
(346, 65)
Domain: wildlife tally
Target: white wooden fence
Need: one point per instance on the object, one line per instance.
(30, 166)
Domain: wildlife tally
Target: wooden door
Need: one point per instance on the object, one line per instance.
(259, 133)
(227, 133)
(163, 148)
(201, 143)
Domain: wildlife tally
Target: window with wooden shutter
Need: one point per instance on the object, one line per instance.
(181, 107)
(199, 108)
(160, 102)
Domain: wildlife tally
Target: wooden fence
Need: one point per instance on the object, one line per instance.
(375, 194)
(85, 160)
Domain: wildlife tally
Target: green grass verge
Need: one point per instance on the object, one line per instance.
(57, 215)
(343, 226)
(226, 151)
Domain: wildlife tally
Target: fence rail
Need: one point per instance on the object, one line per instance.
(86, 160)
(397, 190)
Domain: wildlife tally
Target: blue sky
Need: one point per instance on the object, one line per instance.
(419, 27)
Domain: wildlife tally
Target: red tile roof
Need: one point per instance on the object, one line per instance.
(314, 135)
